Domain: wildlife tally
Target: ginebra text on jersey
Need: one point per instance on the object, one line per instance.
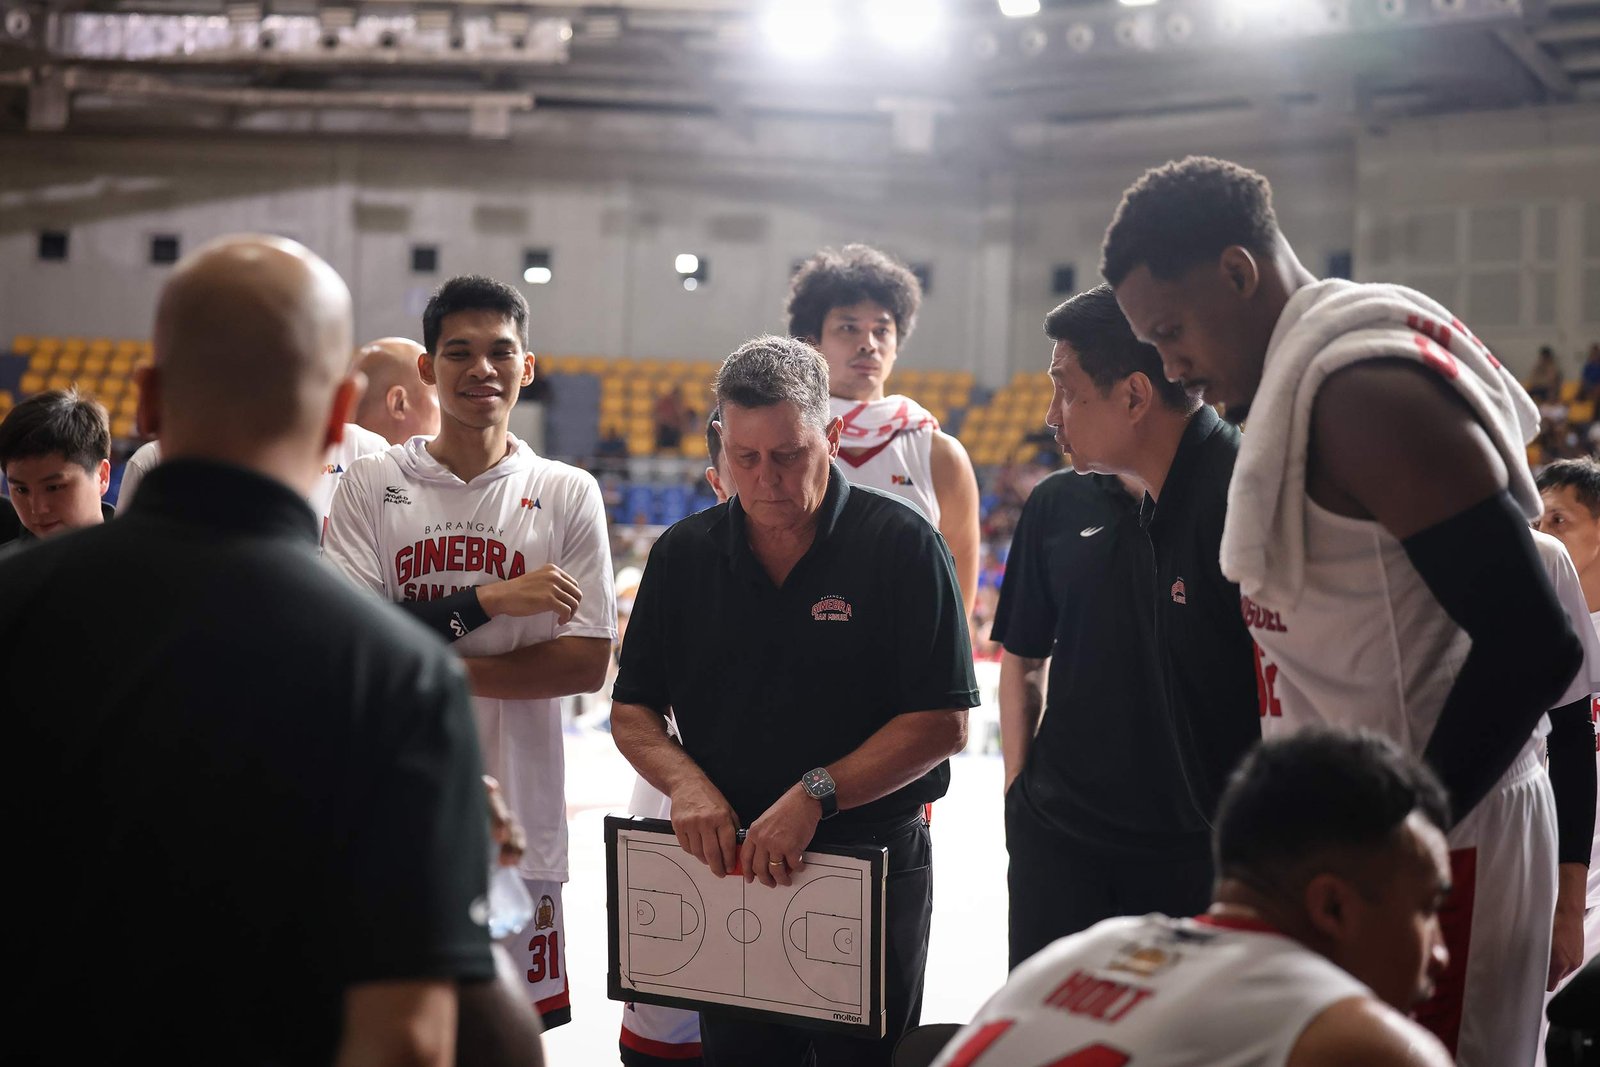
(459, 552)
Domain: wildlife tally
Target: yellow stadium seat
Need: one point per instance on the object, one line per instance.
(1569, 390)
(100, 346)
(127, 348)
(120, 363)
(613, 428)
(48, 344)
(1582, 411)
(612, 405)
(122, 426)
(692, 445)
(59, 381)
(32, 382)
(41, 362)
(112, 385)
(642, 444)
(23, 343)
(1535, 454)
(69, 362)
(74, 344)
(6, 397)
(640, 404)
(95, 363)
(128, 403)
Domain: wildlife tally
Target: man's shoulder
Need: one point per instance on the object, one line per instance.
(692, 536)
(869, 504)
(574, 479)
(366, 469)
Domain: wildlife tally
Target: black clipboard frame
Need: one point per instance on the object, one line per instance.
(873, 1022)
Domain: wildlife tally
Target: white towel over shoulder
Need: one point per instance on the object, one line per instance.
(1325, 327)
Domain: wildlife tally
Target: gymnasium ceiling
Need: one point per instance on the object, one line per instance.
(970, 85)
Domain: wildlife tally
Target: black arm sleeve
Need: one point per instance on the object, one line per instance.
(1572, 777)
(1483, 569)
(456, 615)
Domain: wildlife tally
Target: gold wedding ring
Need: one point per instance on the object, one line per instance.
(775, 863)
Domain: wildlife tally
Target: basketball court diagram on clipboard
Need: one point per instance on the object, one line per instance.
(810, 953)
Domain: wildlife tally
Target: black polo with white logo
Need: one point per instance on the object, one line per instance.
(768, 682)
(1207, 656)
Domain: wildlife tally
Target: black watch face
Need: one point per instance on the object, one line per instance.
(817, 783)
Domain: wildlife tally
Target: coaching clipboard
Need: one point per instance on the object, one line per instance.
(808, 954)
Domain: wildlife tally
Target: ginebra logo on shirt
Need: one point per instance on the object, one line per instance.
(831, 609)
(459, 552)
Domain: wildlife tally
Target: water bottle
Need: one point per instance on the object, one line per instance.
(510, 906)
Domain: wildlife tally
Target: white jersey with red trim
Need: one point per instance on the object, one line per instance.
(1593, 920)
(888, 445)
(1156, 992)
(407, 528)
(358, 441)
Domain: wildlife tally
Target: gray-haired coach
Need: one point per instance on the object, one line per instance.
(810, 637)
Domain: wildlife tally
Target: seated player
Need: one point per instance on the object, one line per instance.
(1324, 933)
(55, 452)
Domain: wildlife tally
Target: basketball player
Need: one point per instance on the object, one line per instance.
(653, 1035)
(1377, 526)
(1570, 490)
(55, 452)
(397, 404)
(475, 511)
(856, 306)
(1324, 933)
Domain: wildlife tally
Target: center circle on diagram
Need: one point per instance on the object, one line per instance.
(744, 926)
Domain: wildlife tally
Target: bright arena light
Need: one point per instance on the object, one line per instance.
(803, 29)
(691, 284)
(1138, 3)
(537, 275)
(908, 25)
(686, 263)
(1019, 9)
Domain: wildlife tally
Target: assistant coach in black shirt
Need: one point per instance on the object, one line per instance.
(1118, 414)
(1099, 821)
(810, 638)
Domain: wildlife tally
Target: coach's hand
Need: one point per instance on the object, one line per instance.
(548, 588)
(706, 825)
(775, 843)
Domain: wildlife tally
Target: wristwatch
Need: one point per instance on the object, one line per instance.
(818, 784)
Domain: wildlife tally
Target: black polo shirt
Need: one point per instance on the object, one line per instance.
(768, 682)
(1208, 658)
(236, 782)
(1078, 588)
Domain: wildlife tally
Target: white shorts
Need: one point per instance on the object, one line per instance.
(1489, 1006)
(650, 1032)
(539, 953)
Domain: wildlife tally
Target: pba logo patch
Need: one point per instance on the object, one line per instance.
(532, 502)
(333, 468)
(831, 609)
(899, 479)
(1180, 594)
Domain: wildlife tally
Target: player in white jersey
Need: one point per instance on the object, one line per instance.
(653, 1035)
(514, 548)
(1571, 493)
(1324, 931)
(1381, 543)
(356, 442)
(856, 306)
(396, 404)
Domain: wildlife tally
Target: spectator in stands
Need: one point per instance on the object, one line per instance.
(1544, 383)
(55, 452)
(397, 405)
(669, 414)
(1589, 388)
